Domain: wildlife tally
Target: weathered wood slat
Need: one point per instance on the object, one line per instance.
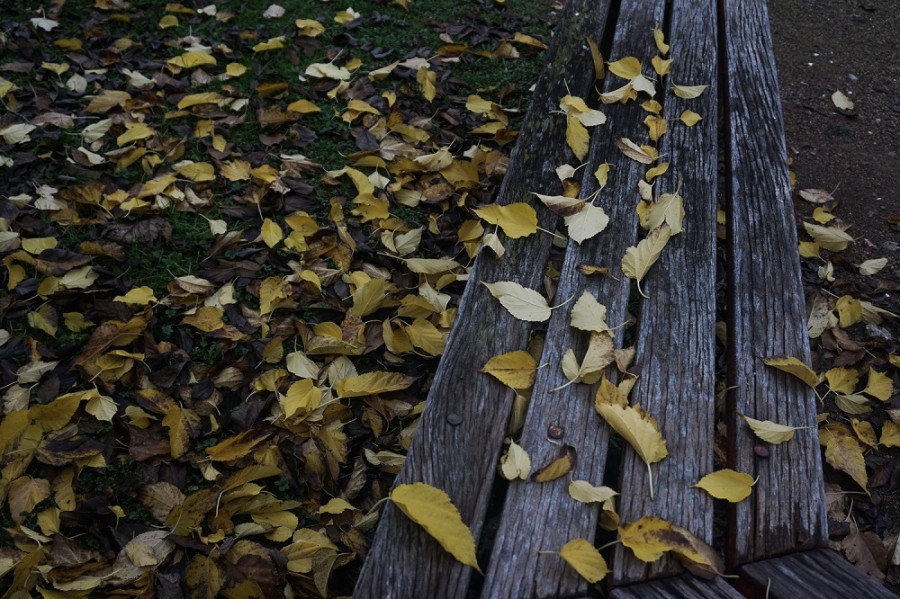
(686, 586)
(786, 511)
(459, 437)
(821, 571)
(537, 516)
(676, 331)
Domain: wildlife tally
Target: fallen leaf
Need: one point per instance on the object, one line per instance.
(830, 238)
(588, 314)
(585, 559)
(844, 453)
(559, 467)
(585, 492)
(688, 91)
(638, 259)
(433, 510)
(634, 151)
(880, 386)
(591, 221)
(516, 370)
(841, 101)
(771, 432)
(639, 429)
(517, 219)
(871, 267)
(515, 463)
(795, 367)
(522, 303)
(727, 484)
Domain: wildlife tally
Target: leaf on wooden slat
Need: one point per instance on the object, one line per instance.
(830, 238)
(844, 453)
(591, 221)
(577, 137)
(517, 219)
(727, 484)
(626, 68)
(660, 39)
(634, 151)
(433, 510)
(585, 492)
(871, 267)
(690, 118)
(688, 91)
(516, 370)
(771, 432)
(515, 463)
(588, 314)
(585, 559)
(521, 302)
(560, 466)
(599, 355)
(638, 428)
(576, 107)
(597, 58)
(651, 537)
(669, 209)
(638, 259)
(562, 205)
(656, 171)
(795, 367)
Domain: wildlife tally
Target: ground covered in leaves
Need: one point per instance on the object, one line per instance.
(233, 237)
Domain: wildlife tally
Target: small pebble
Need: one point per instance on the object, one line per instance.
(555, 432)
(761, 451)
(454, 419)
(852, 77)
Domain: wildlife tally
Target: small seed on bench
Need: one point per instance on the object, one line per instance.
(761, 450)
(454, 419)
(555, 432)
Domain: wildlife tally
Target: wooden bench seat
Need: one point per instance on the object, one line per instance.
(460, 437)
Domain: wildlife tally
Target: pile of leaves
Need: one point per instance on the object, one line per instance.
(233, 239)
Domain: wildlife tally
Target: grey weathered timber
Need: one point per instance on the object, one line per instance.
(456, 447)
(786, 511)
(677, 587)
(676, 334)
(543, 517)
(821, 572)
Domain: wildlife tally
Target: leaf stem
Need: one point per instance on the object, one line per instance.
(650, 476)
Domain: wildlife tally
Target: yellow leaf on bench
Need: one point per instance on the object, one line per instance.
(792, 365)
(517, 219)
(433, 510)
(638, 259)
(771, 432)
(585, 492)
(521, 302)
(650, 537)
(515, 463)
(516, 369)
(587, 561)
(727, 484)
(638, 428)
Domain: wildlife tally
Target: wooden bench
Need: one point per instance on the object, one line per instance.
(461, 434)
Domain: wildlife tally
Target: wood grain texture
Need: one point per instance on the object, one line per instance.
(786, 511)
(461, 458)
(676, 330)
(685, 586)
(539, 517)
(821, 571)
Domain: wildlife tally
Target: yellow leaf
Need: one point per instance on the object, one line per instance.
(727, 484)
(656, 126)
(626, 68)
(236, 447)
(515, 463)
(842, 380)
(24, 494)
(808, 249)
(597, 58)
(822, 216)
(303, 107)
(275, 43)
(274, 293)
(585, 559)
(372, 383)
(271, 233)
(431, 266)
(235, 69)
(661, 65)
(517, 219)
(669, 209)
(516, 370)
(577, 137)
(880, 386)
(190, 60)
(101, 407)
(688, 91)
(634, 151)
(655, 172)
(309, 27)
(865, 432)
(591, 221)
(890, 434)
(560, 466)
(770, 432)
(369, 297)
(690, 118)
(36, 245)
(650, 537)
(168, 21)
(844, 453)
(622, 94)
(598, 356)
(134, 132)
(433, 510)
(841, 101)
(795, 367)
(522, 303)
(602, 174)
(427, 80)
(202, 98)
(660, 38)
(426, 336)
(588, 314)
(139, 295)
(830, 238)
(871, 267)
(639, 429)
(638, 259)
(206, 318)
(585, 492)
